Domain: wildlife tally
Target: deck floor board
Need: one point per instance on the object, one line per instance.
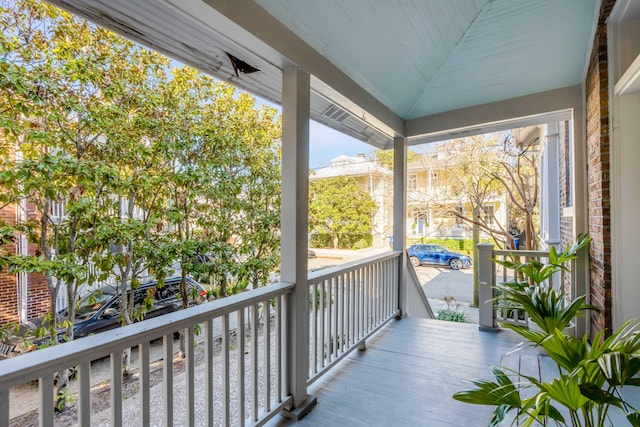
(411, 369)
(406, 377)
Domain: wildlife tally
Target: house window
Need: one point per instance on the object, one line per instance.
(58, 212)
(433, 179)
(412, 182)
(489, 215)
(421, 220)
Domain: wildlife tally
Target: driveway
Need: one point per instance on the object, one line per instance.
(442, 282)
(437, 282)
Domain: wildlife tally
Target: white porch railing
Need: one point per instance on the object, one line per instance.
(490, 274)
(241, 344)
(347, 305)
(242, 380)
(417, 302)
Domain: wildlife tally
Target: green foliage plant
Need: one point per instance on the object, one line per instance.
(452, 315)
(590, 375)
(530, 289)
(455, 245)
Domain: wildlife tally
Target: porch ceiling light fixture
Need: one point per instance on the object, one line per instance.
(240, 65)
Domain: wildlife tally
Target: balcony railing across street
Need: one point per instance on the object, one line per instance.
(234, 351)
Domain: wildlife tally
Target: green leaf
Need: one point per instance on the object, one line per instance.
(501, 392)
(598, 395)
(566, 391)
(634, 419)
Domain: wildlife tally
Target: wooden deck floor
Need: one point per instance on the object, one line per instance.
(407, 375)
(411, 369)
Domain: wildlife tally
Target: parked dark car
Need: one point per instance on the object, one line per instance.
(100, 311)
(437, 255)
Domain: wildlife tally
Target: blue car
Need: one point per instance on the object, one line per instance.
(437, 255)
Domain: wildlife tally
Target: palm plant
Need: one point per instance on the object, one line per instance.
(530, 289)
(590, 375)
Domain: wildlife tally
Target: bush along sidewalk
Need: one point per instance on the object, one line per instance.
(590, 375)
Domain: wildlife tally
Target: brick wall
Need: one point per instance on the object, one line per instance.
(566, 222)
(8, 282)
(38, 297)
(598, 184)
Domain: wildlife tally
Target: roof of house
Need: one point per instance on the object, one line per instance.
(350, 166)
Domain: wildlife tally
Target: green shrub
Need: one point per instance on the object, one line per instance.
(361, 244)
(347, 240)
(455, 245)
(321, 240)
(452, 315)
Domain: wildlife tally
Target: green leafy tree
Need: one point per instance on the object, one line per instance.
(224, 180)
(62, 99)
(338, 207)
(126, 168)
(244, 234)
(519, 174)
(470, 168)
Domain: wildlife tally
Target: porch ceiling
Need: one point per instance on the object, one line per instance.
(377, 65)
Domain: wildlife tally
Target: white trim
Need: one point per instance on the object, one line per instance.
(568, 212)
(540, 108)
(630, 80)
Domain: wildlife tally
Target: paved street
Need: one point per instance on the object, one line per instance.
(437, 282)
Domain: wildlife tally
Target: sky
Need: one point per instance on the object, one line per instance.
(326, 144)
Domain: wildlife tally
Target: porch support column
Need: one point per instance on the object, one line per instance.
(486, 291)
(551, 191)
(400, 216)
(294, 231)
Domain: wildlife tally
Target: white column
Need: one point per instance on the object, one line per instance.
(400, 215)
(551, 191)
(624, 111)
(294, 231)
(485, 287)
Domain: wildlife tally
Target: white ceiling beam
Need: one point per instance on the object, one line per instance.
(539, 108)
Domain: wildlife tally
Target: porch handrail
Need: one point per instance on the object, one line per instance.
(325, 273)
(491, 314)
(417, 301)
(41, 365)
(348, 304)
